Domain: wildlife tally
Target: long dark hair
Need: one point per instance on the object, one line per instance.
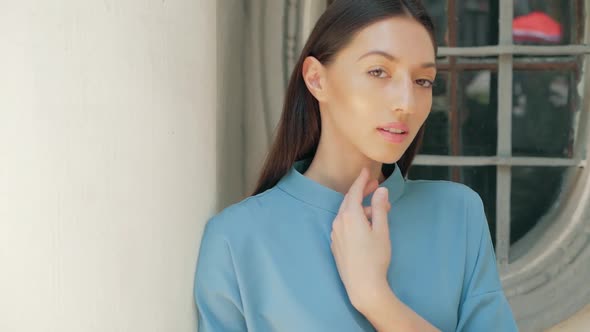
(299, 128)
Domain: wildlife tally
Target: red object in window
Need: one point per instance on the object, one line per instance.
(536, 27)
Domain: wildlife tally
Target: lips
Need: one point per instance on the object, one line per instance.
(394, 132)
(395, 126)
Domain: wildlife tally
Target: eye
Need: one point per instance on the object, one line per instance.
(425, 83)
(378, 73)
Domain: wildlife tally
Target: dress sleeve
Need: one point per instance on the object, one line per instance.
(483, 306)
(216, 291)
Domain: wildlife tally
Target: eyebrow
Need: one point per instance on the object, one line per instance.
(393, 58)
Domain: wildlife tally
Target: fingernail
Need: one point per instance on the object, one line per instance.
(381, 192)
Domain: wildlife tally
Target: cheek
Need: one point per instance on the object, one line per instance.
(423, 108)
(351, 104)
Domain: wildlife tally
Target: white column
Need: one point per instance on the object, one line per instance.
(579, 322)
(107, 162)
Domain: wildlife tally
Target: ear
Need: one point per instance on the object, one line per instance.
(314, 76)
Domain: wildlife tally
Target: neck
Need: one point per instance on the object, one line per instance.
(338, 168)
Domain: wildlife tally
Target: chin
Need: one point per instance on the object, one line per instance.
(386, 157)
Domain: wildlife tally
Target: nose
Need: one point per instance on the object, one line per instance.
(404, 93)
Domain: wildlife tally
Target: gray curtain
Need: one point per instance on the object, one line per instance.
(259, 41)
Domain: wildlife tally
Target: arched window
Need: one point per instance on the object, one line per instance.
(510, 119)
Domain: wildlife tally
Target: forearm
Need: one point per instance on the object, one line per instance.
(388, 314)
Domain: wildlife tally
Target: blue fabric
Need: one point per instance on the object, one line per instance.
(265, 263)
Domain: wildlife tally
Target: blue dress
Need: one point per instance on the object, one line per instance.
(265, 263)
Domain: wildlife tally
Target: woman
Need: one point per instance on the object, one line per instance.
(334, 238)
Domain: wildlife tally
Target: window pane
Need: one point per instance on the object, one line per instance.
(477, 22)
(466, 124)
(438, 11)
(481, 179)
(534, 190)
(478, 115)
(536, 22)
(436, 134)
(464, 22)
(547, 22)
(543, 109)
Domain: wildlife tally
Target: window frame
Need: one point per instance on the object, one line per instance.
(544, 274)
(503, 160)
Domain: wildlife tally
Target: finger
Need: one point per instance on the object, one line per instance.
(371, 186)
(368, 211)
(355, 193)
(379, 204)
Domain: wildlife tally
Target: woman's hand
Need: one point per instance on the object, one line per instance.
(362, 249)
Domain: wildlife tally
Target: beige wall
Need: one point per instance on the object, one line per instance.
(107, 162)
(580, 322)
(115, 148)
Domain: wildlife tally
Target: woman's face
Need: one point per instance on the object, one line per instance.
(380, 83)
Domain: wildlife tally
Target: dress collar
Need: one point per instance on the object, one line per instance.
(307, 190)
